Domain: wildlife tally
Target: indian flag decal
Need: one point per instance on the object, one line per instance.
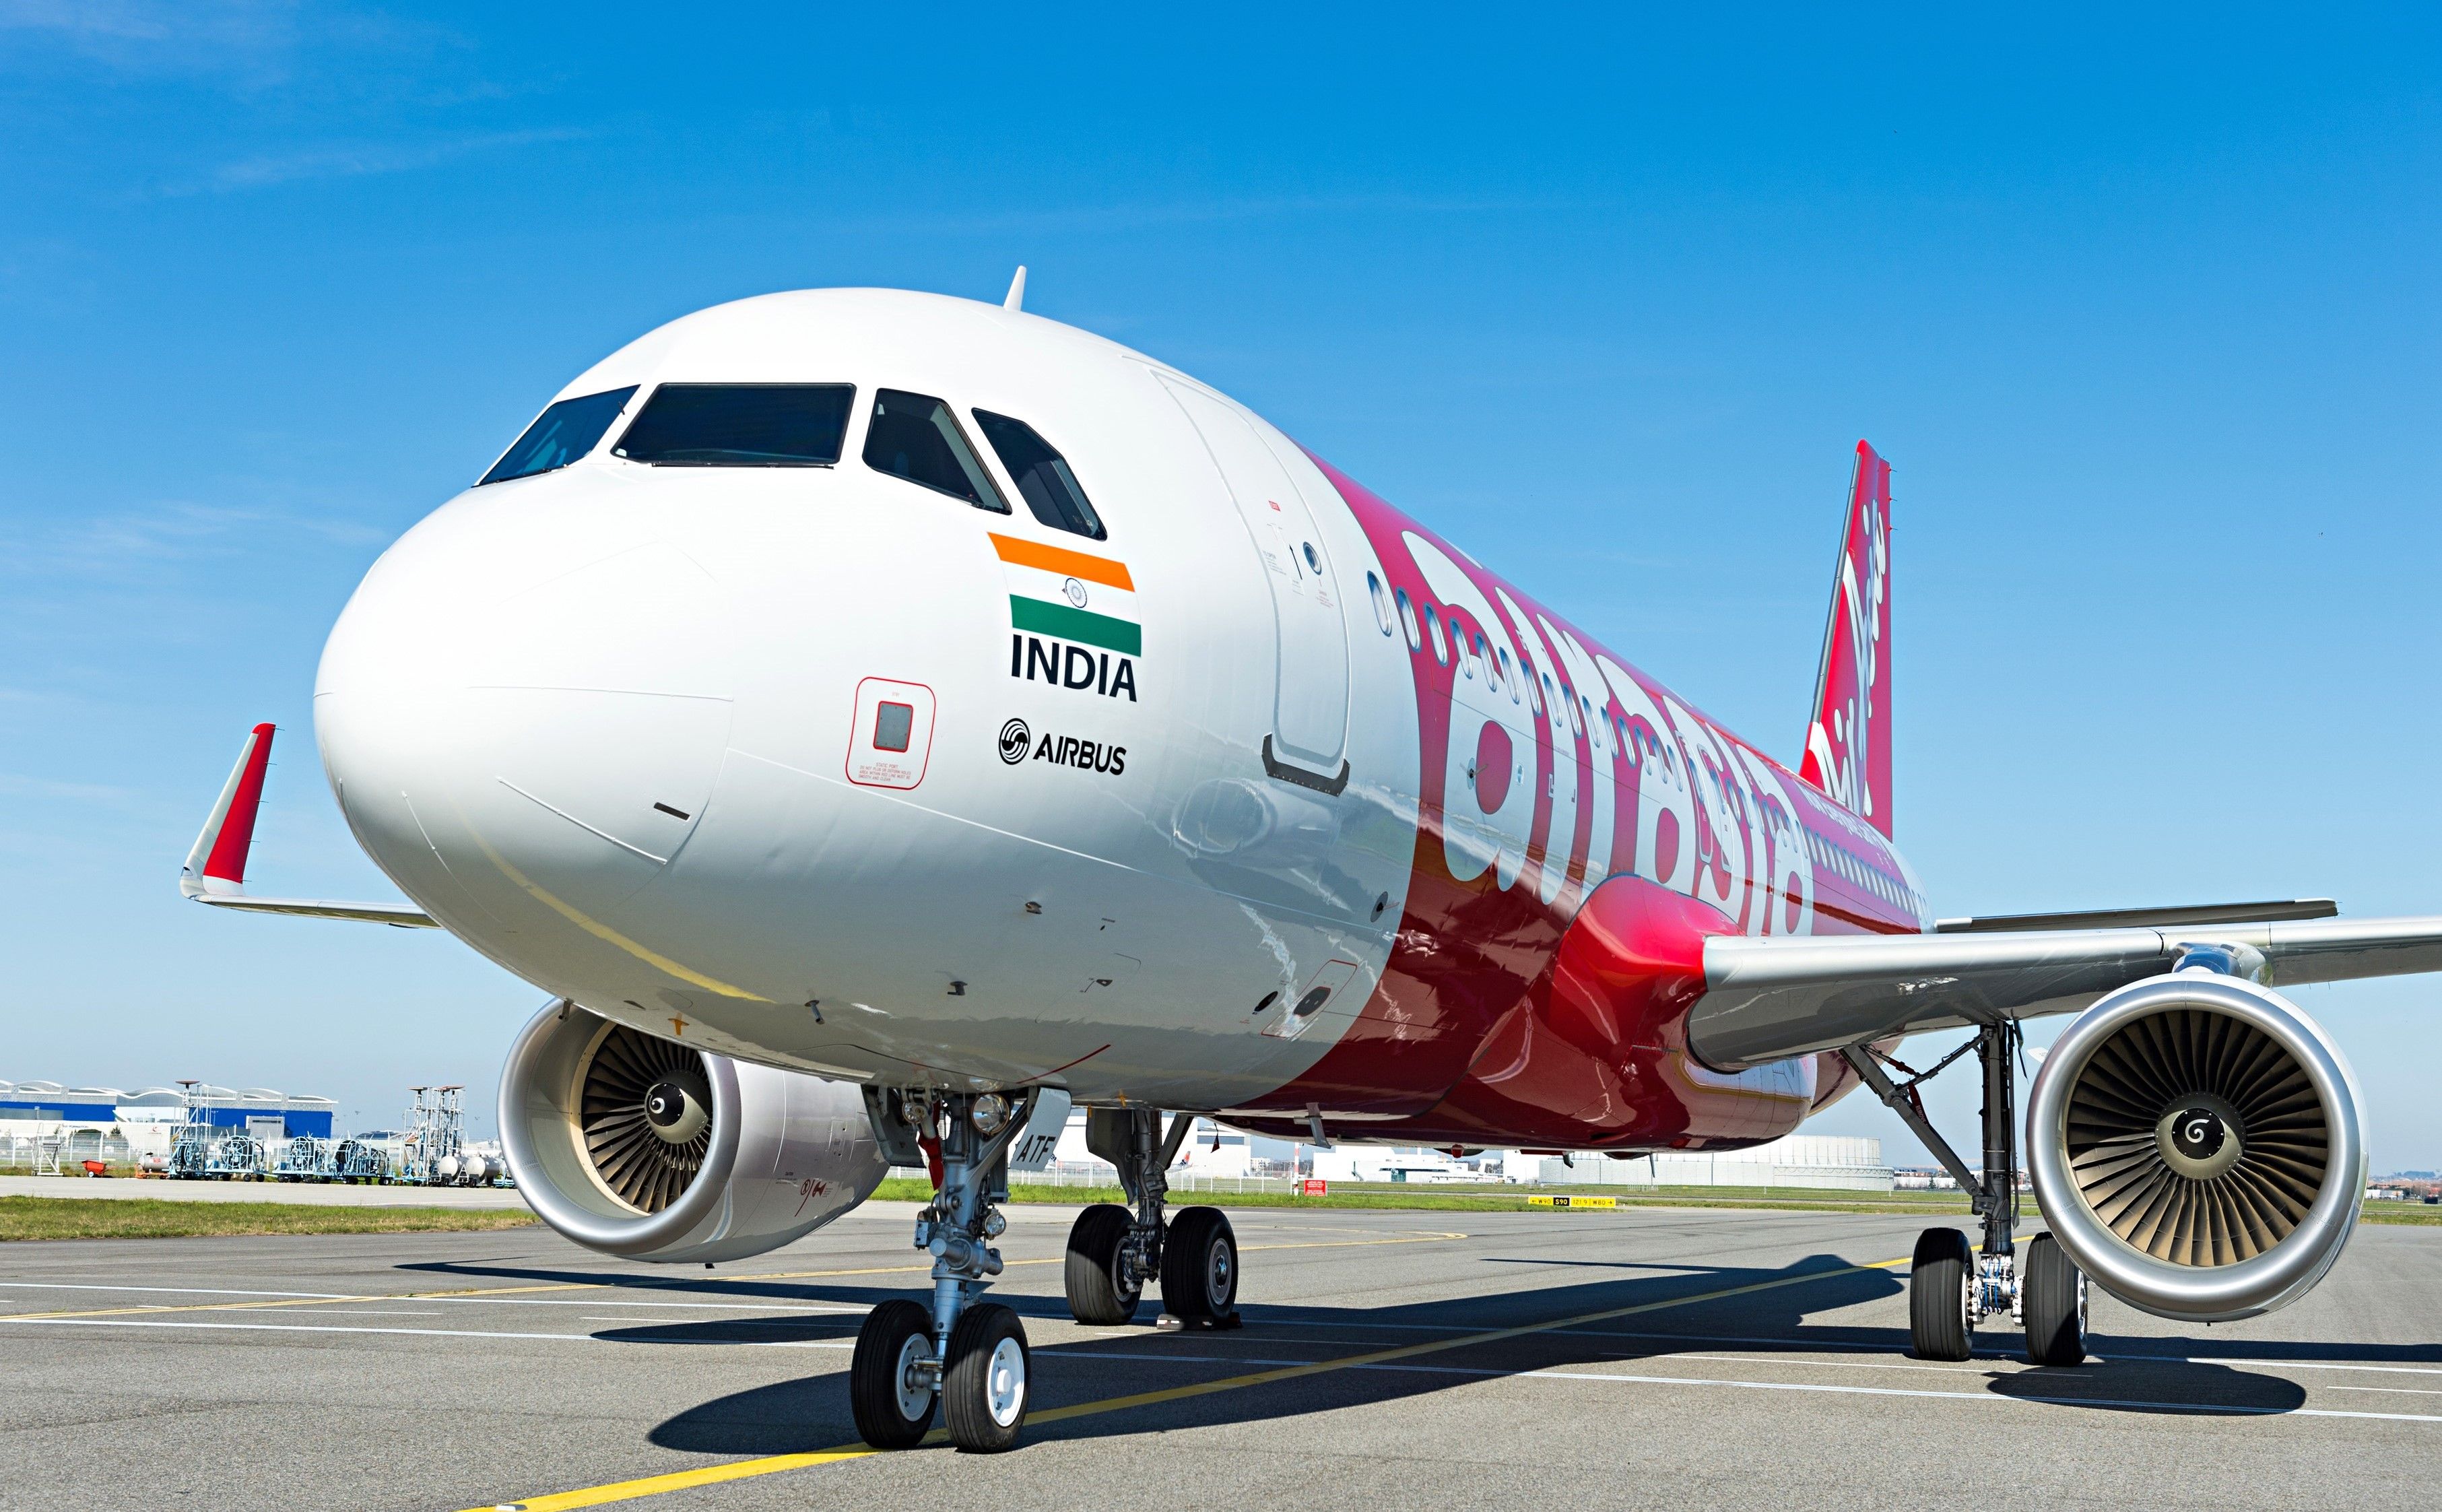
(1069, 596)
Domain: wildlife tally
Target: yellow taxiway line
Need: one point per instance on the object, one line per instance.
(776, 1464)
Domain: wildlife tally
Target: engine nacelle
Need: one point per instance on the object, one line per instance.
(653, 1150)
(2195, 1146)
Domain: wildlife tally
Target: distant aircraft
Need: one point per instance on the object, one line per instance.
(882, 720)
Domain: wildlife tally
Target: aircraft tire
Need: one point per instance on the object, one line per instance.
(1199, 1265)
(1098, 1293)
(987, 1388)
(890, 1413)
(1937, 1280)
(2052, 1296)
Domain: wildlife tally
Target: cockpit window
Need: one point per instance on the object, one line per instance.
(559, 435)
(740, 425)
(917, 438)
(1042, 476)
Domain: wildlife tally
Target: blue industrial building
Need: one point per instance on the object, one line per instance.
(27, 1105)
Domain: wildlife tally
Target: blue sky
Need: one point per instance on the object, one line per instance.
(2143, 310)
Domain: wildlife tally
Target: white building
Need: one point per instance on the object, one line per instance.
(1831, 1161)
(1210, 1151)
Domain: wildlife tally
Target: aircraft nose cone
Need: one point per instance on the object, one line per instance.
(522, 712)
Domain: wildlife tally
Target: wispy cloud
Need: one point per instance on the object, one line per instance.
(141, 544)
(1194, 211)
(247, 44)
(354, 159)
(151, 20)
(18, 786)
(250, 37)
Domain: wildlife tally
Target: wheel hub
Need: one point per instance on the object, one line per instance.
(1005, 1382)
(915, 1382)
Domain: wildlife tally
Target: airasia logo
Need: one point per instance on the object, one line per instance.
(808, 1190)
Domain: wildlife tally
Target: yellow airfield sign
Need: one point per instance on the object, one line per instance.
(1573, 1202)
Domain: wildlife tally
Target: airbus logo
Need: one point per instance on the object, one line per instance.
(1018, 742)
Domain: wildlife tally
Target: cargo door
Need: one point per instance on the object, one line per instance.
(1309, 735)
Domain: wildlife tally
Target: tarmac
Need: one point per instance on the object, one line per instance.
(1642, 1358)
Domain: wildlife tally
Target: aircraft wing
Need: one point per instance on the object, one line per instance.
(1770, 997)
(215, 869)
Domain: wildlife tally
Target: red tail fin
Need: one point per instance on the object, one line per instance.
(1849, 745)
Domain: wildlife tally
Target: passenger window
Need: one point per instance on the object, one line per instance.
(917, 438)
(1382, 604)
(739, 424)
(1408, 618)
(1441, 648)
(559, 435)
(1042, 476)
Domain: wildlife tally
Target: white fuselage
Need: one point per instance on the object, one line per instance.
(825, 769)
(613, 725)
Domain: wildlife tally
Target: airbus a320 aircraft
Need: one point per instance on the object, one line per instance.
(882, 721)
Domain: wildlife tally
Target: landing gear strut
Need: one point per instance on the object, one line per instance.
(1950, 1288)
(1112, 1251)
(966, 1357)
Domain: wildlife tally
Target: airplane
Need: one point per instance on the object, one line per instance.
(883, 722)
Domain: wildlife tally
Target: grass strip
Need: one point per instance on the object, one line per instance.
(28, 1219)
(153, 1218)
(2402, 1212)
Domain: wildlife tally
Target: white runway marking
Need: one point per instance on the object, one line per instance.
(421, 1333)
(1055, 1351)
(2203, 1409)
(427, 1297)
(188, 1291)
(2198, 1409)
(2295, 1364)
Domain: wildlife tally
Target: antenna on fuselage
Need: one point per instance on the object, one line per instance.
(1016, 299)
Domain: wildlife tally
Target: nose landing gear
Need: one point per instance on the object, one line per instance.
(1113, 1252)
(967, 1358)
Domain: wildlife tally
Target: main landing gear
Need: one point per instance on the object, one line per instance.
(1112, 1251)
(1950, 1288)
(965, 1357)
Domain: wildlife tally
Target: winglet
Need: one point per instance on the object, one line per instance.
(215, 869)
(218, 862)
(1017, 299)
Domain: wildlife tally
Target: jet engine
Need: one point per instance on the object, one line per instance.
(2195, 1147)
(651, 1149)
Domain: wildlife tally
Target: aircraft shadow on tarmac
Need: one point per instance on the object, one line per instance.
(2151, 1375)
